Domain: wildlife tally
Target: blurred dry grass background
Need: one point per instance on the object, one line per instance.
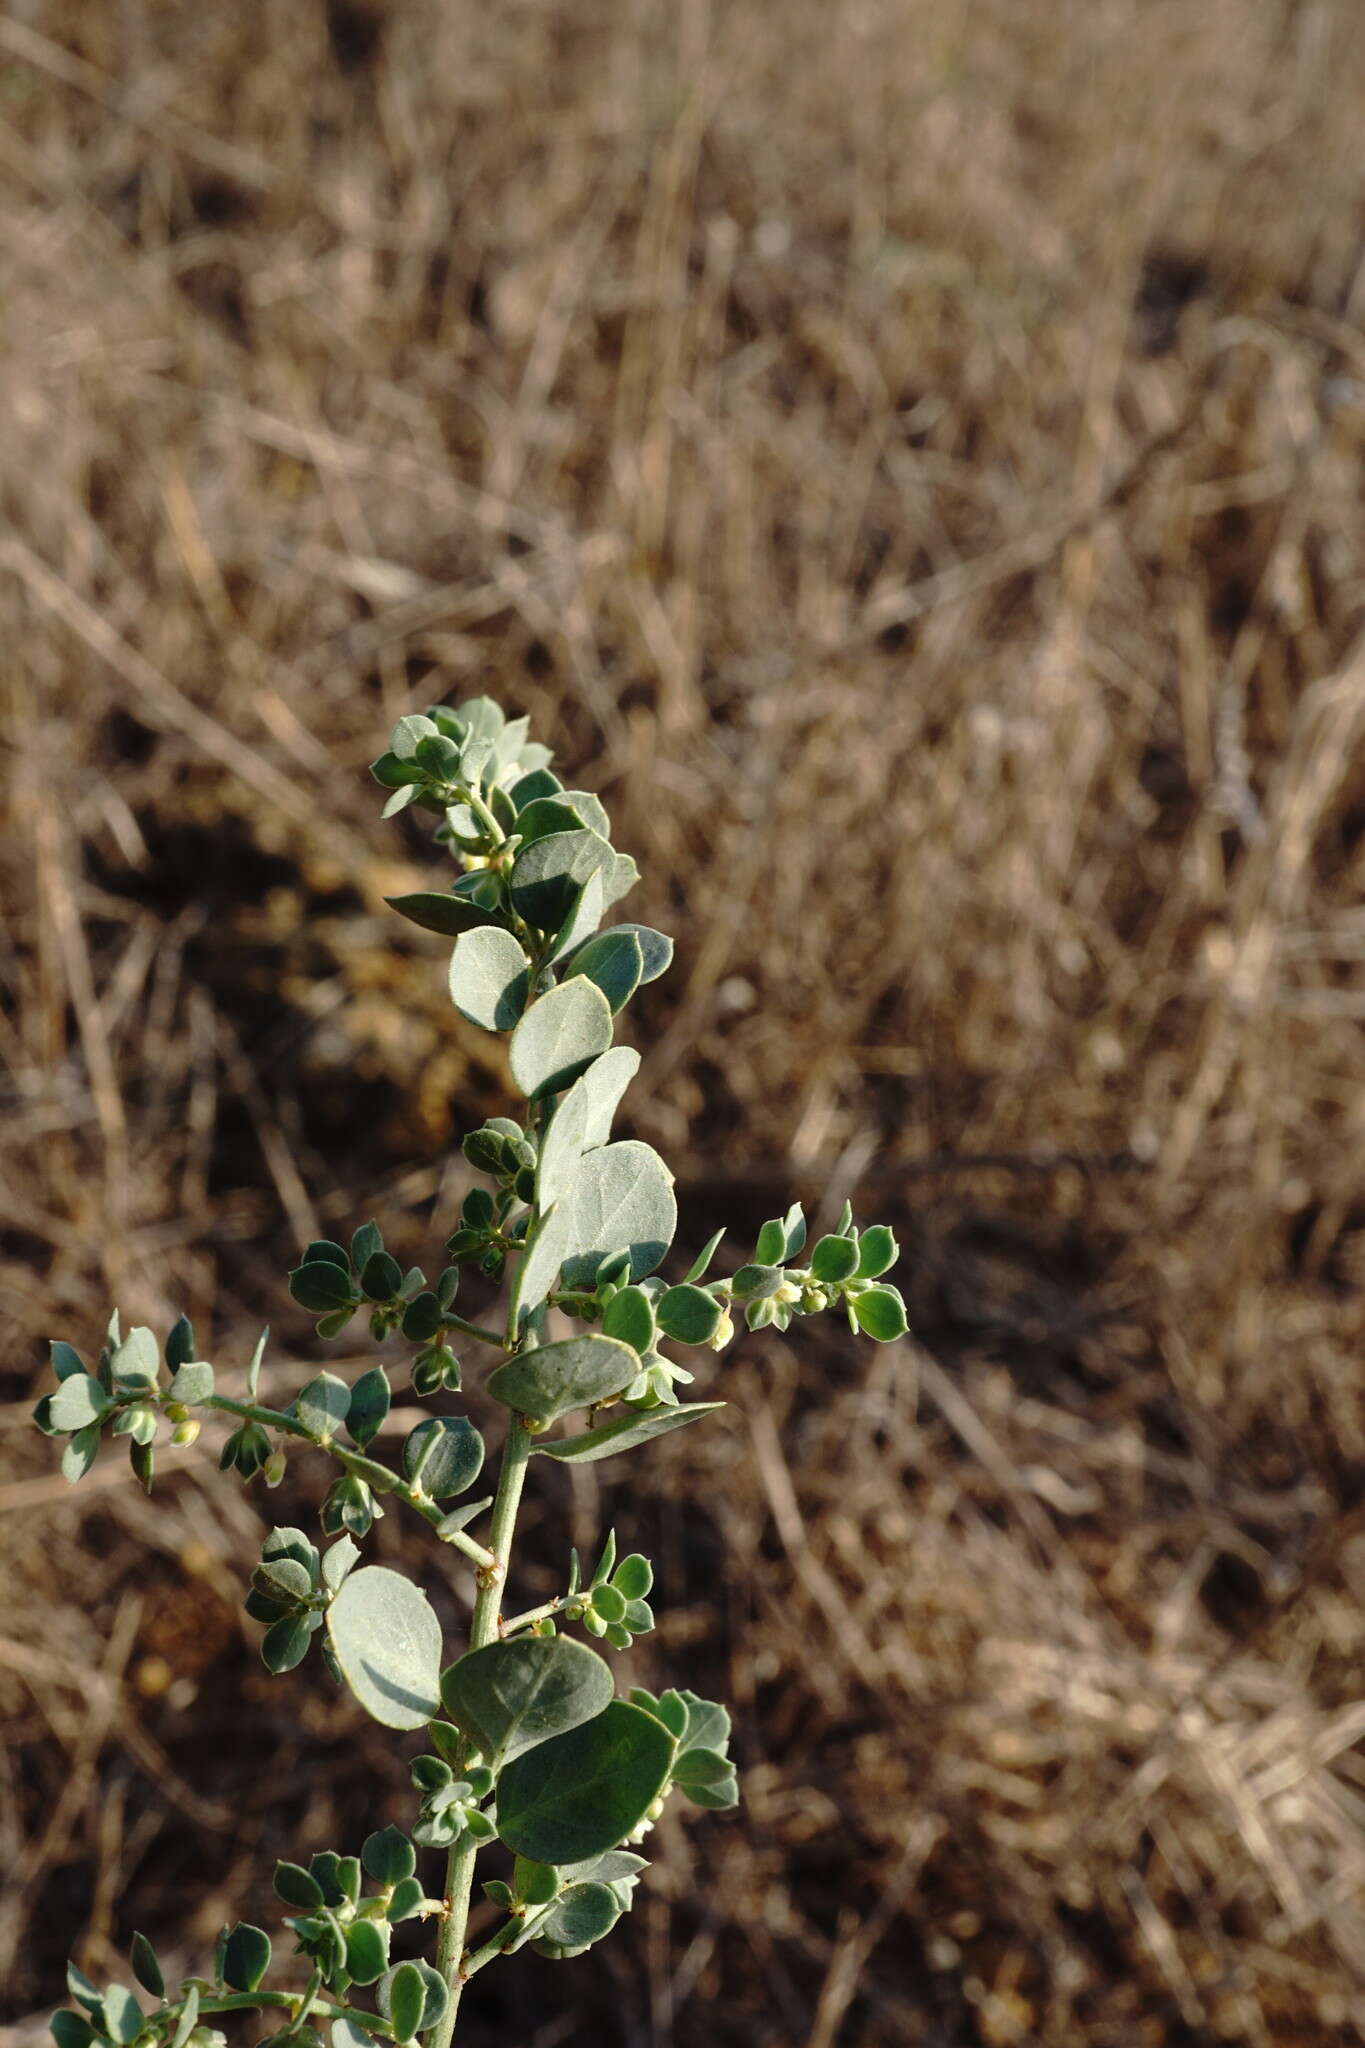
(908, 457)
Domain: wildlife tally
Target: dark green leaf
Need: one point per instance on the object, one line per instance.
(388, 1856)
(443, 1455)
(577, 1373)
(614, 962)
(490, 978)
(408, 1895)
(246, 1957)
(66, 1362)
(83, 1991)
(625, 1434)
(656, 949)
(387, 1642)
(560, 1035)
(381, 1277)
(510, 1696)
(583, 1914)
(701, 1767)
(422, 1318)
(688, 1314)
(323, 1252)
(448, 915)
(634, 1576)
(369, 1406)
(771, 1247)
(834, 1259)
(146, 1968)
(284, 1645)
(533, 786)
(548, 875)
(367, 1950)
(180, 1343)
(320, 1286)
(583, 1792)
(401, 1998)
(701, 1264)
(71, 2030)
(543, 815)
(295, 1886)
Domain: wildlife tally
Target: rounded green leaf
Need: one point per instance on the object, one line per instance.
(688, 1314)
(544, 815)
(634, 1576)
(559, 1036)
(285, 1644)
(387, 1642)
(490, 976)
(81, 1399)
(877, 1252)
(582, 1793)
(614, 962)
(507, 1697)
(401, 1998)
(548, 875)
(629, 1316)
(622, 1199)
(323, 1405)
(320, 1285)
(834, 1259)
(577, 1373)
(369, 1407)
(609, 1603)
(583, 1914)
(754, 1283)
(146, 1968)
(388, 1855)
(367, 1950)
(443, 1455)
(294, 1885)
(246, 1957)
(881, 1314)
(656, 949)
(71, 2030)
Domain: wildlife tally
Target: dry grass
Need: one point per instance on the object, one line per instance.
(908, 455)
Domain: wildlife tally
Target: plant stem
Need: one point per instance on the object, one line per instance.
(519, 1929)
(482, 1630)
(380, 1477)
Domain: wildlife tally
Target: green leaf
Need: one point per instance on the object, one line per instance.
(583, 1792)
(369, 1407)
(381, 1277)
(409, 733)
(66, 1362)
(402, 1998)
(449, 915)
(83, 1991)
(367, 1950)
(179, 1343)
(71, 2030)
(614, 962)
(388, 1855)
(540, 782)
(348, 2033)
(320, 1286)
(490, 977)
(510, 1696)
(701, 1767)
(877, 1252)
(296, 1887)
(559, 1036)
(629, 1316)
(548, 875)
(881, 1314)
(701, 1264)
(624, 1435)
(443, 1455)
(193, 1382)
(622, 1198)
(323, 1405)
(188, 2020)
(146, 1968)
(408, 1895)
(246, 1957)
(581, 919)
(547, 814)
(123, 2016)
(577, 1373)
(834, 1259)
(80, 1400)
(79, 1454)
(688, 1314)
(387, 1642)
(656, 949)
(582, 1916)
(582, 1121)
(754, 1283)
(137, 1357)
(771, 1247)
(634, 1576)
(338, 1563)
(285, 1644)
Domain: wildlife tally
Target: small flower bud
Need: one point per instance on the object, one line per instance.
(185, 1433)
(722, 1335)
(273, 1469)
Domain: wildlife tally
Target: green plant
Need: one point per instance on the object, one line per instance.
(527, 1744)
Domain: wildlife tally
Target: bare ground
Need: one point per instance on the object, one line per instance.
(908, 457)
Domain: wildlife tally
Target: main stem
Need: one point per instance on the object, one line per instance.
(483, 1629)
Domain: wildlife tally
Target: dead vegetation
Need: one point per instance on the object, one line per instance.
(909, 455)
